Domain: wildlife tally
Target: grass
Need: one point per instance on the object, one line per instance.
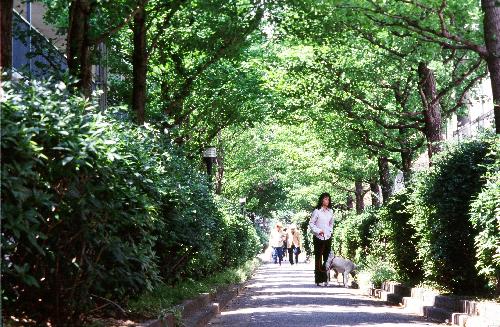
(155, 304)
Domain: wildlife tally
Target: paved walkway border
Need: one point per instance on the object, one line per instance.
(197, 312)
(444, 309)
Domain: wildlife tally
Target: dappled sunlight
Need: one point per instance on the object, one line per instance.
(287, 296)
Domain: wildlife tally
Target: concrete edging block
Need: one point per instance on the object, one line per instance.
(198, 311)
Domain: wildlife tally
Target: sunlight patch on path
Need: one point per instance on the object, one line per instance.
(287, 296)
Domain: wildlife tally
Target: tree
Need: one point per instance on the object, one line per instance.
(451, 25)
(139, 62)
(491, 25)
(6, 35)
(86, 25)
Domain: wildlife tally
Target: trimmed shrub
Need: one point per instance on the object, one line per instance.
(440, 206)
(379, 270)
(351, 235)
(77, 226)
(97, 210)
(393, 239)
(485, 218)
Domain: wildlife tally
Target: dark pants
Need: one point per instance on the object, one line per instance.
(277, 254)
(291, 252)
(321, 250)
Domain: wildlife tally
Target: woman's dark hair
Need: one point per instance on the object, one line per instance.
(320, 201)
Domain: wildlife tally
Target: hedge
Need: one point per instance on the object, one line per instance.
(96, 210)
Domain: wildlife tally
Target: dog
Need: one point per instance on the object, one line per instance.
(340, 265)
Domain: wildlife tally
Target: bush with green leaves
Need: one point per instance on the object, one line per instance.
(393, 238)
(351, 234)
(97, 210)
(76, 225)
(379, 270)
(440, 215)
(485, 218)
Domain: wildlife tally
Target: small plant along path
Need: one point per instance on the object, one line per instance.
(287, 296)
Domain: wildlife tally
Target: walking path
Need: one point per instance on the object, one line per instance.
(287, 296)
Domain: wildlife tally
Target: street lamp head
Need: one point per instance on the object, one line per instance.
(210, 156)
(210, 152)
(243, 201)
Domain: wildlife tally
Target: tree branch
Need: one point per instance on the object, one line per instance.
(174, 7)
(112, 31)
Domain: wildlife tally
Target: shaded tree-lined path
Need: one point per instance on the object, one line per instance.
(286, 296)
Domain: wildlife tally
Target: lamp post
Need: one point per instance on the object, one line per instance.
(243, 201)
(209, 155)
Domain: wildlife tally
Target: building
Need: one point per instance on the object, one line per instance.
(477, 118)
(479, 115)
(38, 50)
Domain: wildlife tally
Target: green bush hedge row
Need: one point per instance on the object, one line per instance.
(97, 210)
(442, 229)
(485, 218)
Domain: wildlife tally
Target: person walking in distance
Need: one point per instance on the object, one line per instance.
(321, 224)
(285, 241)
(293, 243)
(276, 242)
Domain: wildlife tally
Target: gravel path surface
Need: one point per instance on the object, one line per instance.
(287, 296)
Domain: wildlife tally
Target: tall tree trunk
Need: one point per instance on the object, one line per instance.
(220, 164)
(350, 202)
(358, 190)
(139, 61)
(78, 47)
(385, 178)
(432, 109)
(406, 157)
(375, 192)
(6, 35)
(491, 24)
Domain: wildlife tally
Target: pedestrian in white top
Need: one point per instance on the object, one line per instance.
(321, 225)
(276, 241)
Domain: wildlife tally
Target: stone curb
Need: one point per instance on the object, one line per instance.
(448, 309)
(199, 311)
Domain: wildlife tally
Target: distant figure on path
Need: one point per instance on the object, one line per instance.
(276, 242)
(285, 241)
(321, 225)
(293, 243)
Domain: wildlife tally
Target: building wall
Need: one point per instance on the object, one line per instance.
(39, 52)
(34, 12)
(479, 115)
(33, 53)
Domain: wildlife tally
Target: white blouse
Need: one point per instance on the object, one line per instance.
(322, 219)
(276, 239)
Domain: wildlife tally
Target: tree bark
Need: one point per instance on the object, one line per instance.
(220, 165)
(139, 61)
(406, 155)
(406, 158)
(492, 39)
(385, 179)
(375, 192)
(432, 109)
(350, 202)
(78, 47)
(6, 35)
(358, 190)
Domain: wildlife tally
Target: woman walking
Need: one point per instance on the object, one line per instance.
(276, 242)
(321, 225)
(293, 243)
